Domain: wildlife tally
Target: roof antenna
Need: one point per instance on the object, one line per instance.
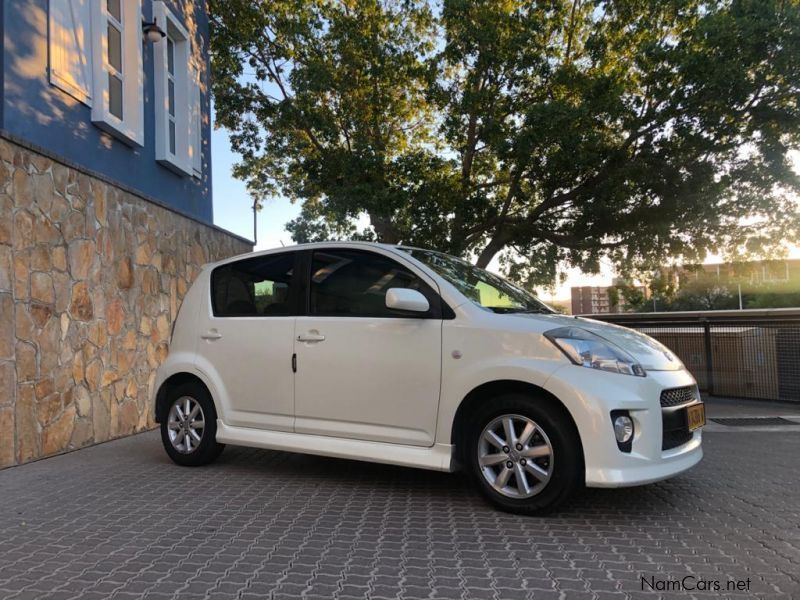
(282, 244)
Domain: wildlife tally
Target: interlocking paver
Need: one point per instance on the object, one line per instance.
(120, 521)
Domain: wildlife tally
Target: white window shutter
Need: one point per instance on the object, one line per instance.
(70, 25)
(195, 122)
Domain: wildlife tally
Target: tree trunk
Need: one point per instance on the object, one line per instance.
(494, 246)
(384, 230)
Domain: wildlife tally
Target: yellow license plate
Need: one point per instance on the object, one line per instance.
(696, 416)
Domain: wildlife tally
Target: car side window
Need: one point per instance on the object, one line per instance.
(353, 283)
(253, 287)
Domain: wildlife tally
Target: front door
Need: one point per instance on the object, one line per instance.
(365, 371)
(247, 339)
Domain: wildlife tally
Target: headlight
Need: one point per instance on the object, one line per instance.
(587, 349)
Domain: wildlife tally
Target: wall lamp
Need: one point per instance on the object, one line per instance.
(152, 32)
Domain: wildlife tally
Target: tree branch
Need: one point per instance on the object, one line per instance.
(567, 56)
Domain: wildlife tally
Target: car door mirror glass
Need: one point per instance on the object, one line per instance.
(406, 299)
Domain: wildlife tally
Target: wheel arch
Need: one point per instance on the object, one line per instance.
(491, 389)
(171, 383)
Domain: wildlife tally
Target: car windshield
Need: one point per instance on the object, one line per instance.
(482, 287)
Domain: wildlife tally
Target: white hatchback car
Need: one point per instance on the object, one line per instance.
(412, 357)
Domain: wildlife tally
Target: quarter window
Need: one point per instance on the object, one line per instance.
(353, 283)
(255, 287)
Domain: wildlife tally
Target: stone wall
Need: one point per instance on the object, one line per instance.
(91, 277)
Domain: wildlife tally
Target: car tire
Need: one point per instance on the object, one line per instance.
(180, 434)
(550, 463)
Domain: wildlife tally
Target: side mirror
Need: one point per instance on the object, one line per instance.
(406, 299)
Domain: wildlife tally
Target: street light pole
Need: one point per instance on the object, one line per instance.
(255, 228)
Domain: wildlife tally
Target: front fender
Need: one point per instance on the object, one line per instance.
(459, 383)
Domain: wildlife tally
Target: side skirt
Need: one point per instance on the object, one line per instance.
(438, 457)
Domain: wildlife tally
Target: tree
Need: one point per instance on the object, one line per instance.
(342, 121)
(613, 298)
(545, 132)
(704, 293)
(773, 295)
(634, 296)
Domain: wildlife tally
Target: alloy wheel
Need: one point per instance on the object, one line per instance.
(185, 424)
(515, 456)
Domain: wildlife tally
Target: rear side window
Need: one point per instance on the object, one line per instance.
(253, 287)
(353, 283)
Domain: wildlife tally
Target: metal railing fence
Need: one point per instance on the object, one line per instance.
(740, 354)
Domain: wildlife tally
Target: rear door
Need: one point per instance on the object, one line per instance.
(247, 339)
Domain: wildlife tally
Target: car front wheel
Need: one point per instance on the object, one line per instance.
(523, 455)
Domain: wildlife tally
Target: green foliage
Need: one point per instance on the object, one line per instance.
(772, 295)
(633, 296)
(560, 130)
(663, 287)
(707, 292)
(613, 298)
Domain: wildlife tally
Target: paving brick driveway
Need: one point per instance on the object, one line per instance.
(119, 520)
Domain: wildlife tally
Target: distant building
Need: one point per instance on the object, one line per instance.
(593, 300)
(590, 300)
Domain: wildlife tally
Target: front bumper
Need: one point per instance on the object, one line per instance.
(591, 395)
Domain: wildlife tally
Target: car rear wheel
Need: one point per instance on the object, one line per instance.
(523, 455)
(189, 428)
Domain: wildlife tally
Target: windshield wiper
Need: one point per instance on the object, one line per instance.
(512, 310)
(541, 311)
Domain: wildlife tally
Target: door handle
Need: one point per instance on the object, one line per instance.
(211, 335)
(310, 337)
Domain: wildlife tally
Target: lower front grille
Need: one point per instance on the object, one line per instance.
(678, 396)
(673, 439)
(675, 427)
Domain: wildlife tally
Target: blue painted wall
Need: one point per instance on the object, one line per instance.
(41, 113)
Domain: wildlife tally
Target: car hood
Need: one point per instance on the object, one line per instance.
(652, 355)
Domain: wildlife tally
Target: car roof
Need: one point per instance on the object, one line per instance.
(308, 245)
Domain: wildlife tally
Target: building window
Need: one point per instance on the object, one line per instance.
(171, 91)
(118, 106)
(177, 96)
(115, 57)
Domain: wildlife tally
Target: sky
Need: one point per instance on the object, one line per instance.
(233, 205)
(232, 211)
